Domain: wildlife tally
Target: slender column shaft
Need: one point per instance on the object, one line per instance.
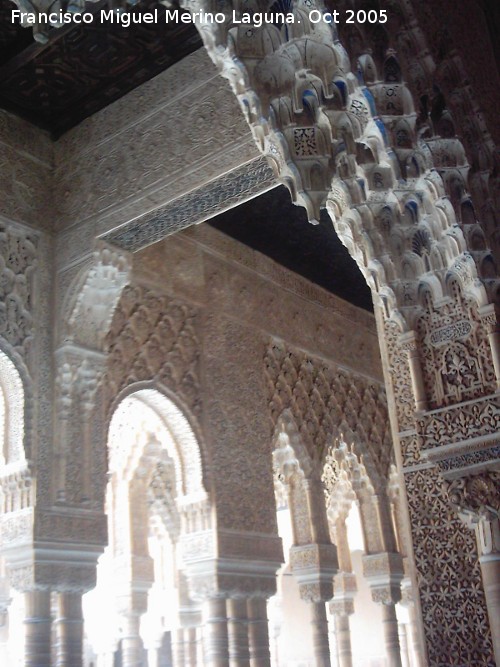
(132, 648)
(239, 653)
(391, 635)
(416, 651)
(37, 625)
(215, 636)
(488, 541)
(490, 569)
(258, 632)
(320, 635)
(343, 637)
(178, 648)
(69, 630)
(191, 644)
(494, 338)
(153, 657)
(403, 642)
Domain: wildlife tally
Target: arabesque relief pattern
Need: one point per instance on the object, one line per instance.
(153, 337)
(18, 261)
(325, 399)
(452, 600)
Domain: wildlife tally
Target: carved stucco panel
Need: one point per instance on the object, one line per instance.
(236, 418)
(324, 399)
(154, 337)
(448, 576)
(157, 144)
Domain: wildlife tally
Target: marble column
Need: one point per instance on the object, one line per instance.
(412, 634)
(343, 640)
(37, 623)
(216, 641)
(131, 642)
(191, 644)
(178, 648)
(154, 655)
(488, 537)
(391, 635)
(384, 573)
(239, 652)
(403, 642)
(69, 630)
(258, 633)
(321, 643)
(341, 607)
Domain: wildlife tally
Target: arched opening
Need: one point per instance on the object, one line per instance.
(305, 582)
(16, 495)
(11, 414)
(155, 500)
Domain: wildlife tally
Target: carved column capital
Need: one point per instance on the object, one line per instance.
(314, 566)
(345, 588)
(384, 573)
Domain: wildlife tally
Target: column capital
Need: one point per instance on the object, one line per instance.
(384, 573)
(230, 563)
(58, 551)
(314, 566)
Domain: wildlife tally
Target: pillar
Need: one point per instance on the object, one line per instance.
(391, 635)
(37, 625)
(384, 573)
(154, 655)
(488, 537)
(239, 651)
(403, 642)
(412, 634)
(69, 630)
(132, 646)
(178, 648)
(258, 633)
(321, 642)
(343, 640)
(191, 644)
(341, 607)
(216, 639)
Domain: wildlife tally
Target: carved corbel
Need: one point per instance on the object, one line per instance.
(408, 342)
(476, 497)
(490, 322)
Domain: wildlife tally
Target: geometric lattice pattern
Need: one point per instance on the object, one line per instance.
(449, 577)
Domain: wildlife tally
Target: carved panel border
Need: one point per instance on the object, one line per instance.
(243, 183)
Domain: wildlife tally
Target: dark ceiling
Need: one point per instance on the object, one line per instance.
(83, 69)
(274, 226)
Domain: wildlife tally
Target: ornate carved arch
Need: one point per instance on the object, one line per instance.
(159, 408)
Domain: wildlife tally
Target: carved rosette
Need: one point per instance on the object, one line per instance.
(477, 496)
